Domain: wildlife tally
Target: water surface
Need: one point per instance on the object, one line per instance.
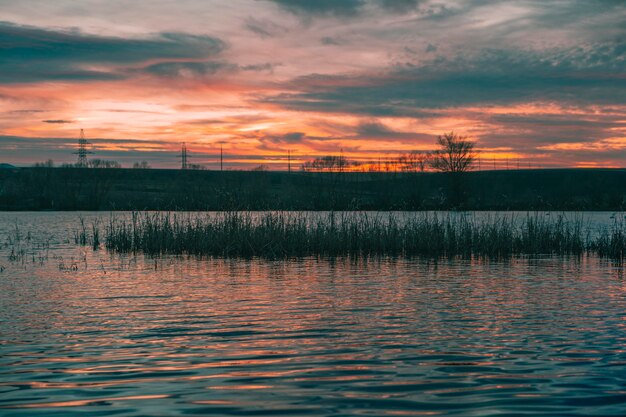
(91, 333)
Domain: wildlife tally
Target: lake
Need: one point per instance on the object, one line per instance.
(91, 332)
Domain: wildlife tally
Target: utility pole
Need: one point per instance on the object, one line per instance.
(221, 157)
(183, 156)
(288, 160)
(341, 160)
(82, 151)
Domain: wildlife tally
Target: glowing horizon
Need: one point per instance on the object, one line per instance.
(542, 84)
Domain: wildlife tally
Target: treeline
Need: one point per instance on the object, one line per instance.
(455, 153)
(92, 163)
(157, 189)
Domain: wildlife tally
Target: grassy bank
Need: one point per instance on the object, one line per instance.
(280, 235)
(159, 189)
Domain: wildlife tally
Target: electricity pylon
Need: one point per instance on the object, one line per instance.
(82, 151)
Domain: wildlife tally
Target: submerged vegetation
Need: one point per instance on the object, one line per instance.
(288, 234)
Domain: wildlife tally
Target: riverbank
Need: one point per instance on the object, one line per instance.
(37, 189)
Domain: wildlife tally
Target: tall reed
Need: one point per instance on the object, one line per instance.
(288, 234)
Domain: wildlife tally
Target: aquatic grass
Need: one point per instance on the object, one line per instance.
(611, 243)
(95, 236)
(23, 246)
(289, 234)
(82, 236)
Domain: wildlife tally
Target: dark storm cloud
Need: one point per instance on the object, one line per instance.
(29, 54)
(589, 75)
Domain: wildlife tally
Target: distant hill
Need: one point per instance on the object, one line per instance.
(6, 166)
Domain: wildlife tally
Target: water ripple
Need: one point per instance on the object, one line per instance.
(311, 337)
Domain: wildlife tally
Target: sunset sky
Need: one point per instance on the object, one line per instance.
(539, 81)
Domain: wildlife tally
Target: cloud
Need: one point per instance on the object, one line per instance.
(328, 40)
(373, 129)
(297, 140)
(27, 111)
(286, 138)
(399, 6)
(379, 131)
(187, 69)
(593, 74)
(547, 129)
(26, 150)
(342, 8)
(368, 74)
(32, 54)
(58, 121)
(200, 69)
(264, 28)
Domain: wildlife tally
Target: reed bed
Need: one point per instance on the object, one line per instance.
(286, 234)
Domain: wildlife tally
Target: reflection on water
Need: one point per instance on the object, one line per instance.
(176, 336)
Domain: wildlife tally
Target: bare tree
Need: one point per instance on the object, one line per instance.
(456, 153)
(46, 164)
(102, 163)
(328, 163)
(142, 165)
(415, 161)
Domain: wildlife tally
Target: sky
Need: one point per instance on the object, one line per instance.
(532, 82)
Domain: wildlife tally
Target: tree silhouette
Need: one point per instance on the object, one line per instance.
(102, 163)
(328, 163)
(142, 165)
(414, 161)
(456, 153)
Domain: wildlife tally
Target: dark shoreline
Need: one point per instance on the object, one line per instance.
(74, 189)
